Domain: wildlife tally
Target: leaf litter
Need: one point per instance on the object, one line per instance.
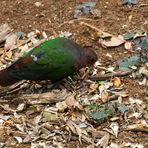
(41, 113)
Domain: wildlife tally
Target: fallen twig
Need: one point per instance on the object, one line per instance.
(99, 31)
(10, 89)
(110, 75)
(75, 20)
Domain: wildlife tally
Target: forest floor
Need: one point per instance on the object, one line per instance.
(55, 17)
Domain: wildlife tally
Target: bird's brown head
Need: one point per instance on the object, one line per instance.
(88, 59)
(91, 57)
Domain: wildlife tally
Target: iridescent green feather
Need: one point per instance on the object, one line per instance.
(55, 60)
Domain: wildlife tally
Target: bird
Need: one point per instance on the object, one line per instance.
(53, 60)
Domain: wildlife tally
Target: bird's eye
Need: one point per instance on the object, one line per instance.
(92, 60)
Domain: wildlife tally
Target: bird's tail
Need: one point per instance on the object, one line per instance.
(6, 79)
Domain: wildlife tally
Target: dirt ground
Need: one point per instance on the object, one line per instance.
(24, 15)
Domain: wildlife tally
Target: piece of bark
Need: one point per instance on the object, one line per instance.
(138, 127)
(44, 98)
(110, 75)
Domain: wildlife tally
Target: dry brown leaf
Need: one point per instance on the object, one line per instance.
(19, 139)
(71, 102)
(94, 97)
(116, 81)
(49, 116)
(94, 86)
(61, 106)
(30, 136)
(104, 96)
(104, 141)
(128, 45)
(10, 42)
(20, 127)
(3, 130)
(144, 71)
(77, 116)
(7, 108)
(115, 41)
(115, 128)
(21, 107)
(37, 119)
(8, 55)
(5, 30)
(78, 131)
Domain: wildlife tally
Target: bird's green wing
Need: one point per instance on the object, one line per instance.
(48, 61)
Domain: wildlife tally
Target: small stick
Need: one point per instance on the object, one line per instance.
(96, 29)
(109, 75)
(11, 89)
(75, 20)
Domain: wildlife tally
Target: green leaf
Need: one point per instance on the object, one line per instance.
(122, 108)
(128, 36)
(130, 2)
(101, 82)
(124, 64)
(50, 116)
(102, 114)
(144, 43)
(146, 108)
(92, 106)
